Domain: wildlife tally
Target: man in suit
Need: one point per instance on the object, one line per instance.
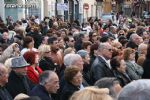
(101, 66)
(18, 81)
(48, 84)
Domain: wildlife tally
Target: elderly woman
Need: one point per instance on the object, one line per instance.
(46, 62)
(119, 69)
(33, 71)
(133, 69)
(73, 78)
(86, 66)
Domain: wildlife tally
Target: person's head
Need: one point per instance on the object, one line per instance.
(50, 81)
(105, 50)
(68, 51)
(106, 38)
(136, 90)
(118, 64)
(19, 65)
(93, 51)
(142, 49)
(53, 42)
(135, 38)
(111, 83)
(85, 56)
(31, 57)
(73, 75)
(129, 54)
(4, 73)
(86, 45)
(44, 51)
(28, 42)
(45, 40)
(69, 40)
(5, 34)
(92, 93)
(73, 59)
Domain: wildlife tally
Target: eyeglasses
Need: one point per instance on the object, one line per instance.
(72, 41)
(109, 49)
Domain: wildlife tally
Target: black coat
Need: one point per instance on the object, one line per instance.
(46, 64)
(18, 84)
(41, 92)
(4, 94)
(146, 67)
(68, 90)
(123, 78)
(100, 69)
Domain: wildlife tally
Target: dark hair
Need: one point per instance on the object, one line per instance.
(107, 82)
(93, 47)
(30, 56)
(44, 76)
(51, 40)
(70, 72)
(26, 41)
(115, 63)
(85, 44)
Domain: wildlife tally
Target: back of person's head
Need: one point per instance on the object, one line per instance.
(44, 77)
(136, 90)
(51, 40)
(70, 59)
(92, 93)
(110, 84)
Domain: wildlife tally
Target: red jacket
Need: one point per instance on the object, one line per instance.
(32, 75)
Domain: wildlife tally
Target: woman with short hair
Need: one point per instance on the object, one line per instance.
(73, 78)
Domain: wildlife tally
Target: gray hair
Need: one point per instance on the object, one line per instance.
(44, 77)
(141, 46)
(133, 36)
(136, 90)
(82, 53)
(102, 46)
(70, 59)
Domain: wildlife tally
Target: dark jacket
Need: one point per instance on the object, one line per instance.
(18, 84)
(46, 64)
(146, 67)
(122, 77)
(134, 70)
(41, 92)
(100, 69)
(4, 94)
(68, 90)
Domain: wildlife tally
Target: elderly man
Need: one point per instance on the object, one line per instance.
(134, 41)
(101, 66)
(48, 84)
(4, 95)
(17, 81)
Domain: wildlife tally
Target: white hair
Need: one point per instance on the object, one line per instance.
(136, 90)
(70, 59)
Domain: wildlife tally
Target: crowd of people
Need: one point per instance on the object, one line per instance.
(57, 60)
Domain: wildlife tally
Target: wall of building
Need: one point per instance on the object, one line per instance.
(91, 12)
